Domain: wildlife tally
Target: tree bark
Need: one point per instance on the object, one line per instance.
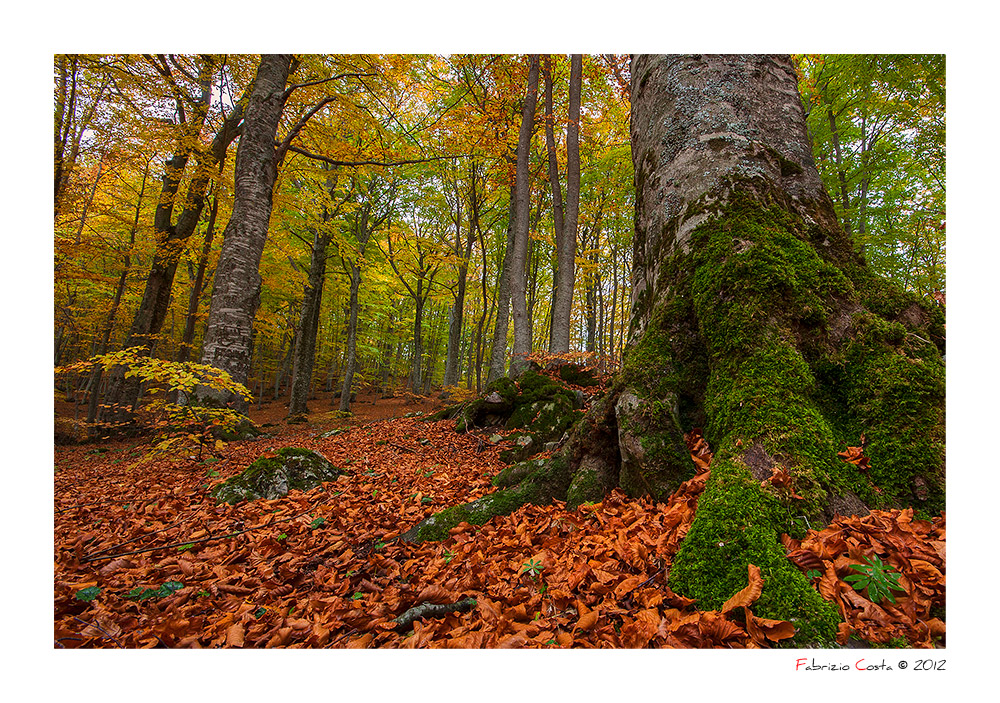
(305, 343)
(558, 219)
(565, 275)
(171, 239)
(93, 411)
(519, 306)
(229, 335)
(498, 351)
(351, 361)
(198, 285)
(753, 317)
(462, 253)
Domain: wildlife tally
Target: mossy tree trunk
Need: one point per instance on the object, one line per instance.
(752, 318)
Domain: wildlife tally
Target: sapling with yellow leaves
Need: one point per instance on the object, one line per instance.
(181, 426)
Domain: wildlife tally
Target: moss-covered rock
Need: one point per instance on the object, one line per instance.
(243, 430)
(273, 477)
(578, 375)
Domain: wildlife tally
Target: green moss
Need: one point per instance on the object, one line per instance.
(244, 430)
(585, 487)
(895, 387)
(760, 293)
(533, 387)
(734, 527)
(571, 373)
(544, 481)
(292, 468)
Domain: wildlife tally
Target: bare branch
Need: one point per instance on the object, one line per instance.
(370, 162)
(295, 86)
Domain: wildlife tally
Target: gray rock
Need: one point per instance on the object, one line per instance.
(273, 477)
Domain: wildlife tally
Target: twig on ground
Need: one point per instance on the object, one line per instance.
(425, 610)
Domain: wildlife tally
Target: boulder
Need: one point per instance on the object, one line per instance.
(274, 476)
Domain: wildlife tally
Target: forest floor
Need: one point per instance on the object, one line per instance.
(145, 558)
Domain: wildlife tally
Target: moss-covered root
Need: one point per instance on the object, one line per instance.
(585, 469)
(734, 527)
(541, 481)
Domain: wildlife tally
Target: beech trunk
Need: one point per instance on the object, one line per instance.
(519, 255)
(229, 335)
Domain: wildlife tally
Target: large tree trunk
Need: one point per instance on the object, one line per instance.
(753, 318)
(519, 256)
(229, 335)
(171, 240)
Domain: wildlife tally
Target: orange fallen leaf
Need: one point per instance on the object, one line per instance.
(587, 621)
(234, 635)
(761, 628)
(749, 594)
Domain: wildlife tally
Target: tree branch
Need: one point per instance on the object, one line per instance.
(369, 162)
(295, 86)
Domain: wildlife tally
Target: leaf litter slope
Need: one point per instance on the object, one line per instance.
(144, 558)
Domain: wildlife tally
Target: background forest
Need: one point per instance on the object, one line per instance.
(385, 255)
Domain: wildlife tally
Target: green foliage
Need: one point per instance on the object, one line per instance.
(167, 589)
(88, 594)
(878, 129)
(532, 567)
(878, 577)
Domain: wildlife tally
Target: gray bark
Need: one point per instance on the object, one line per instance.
(236, 296)
(350, 362)
(498, 353)
(518, 299)
(558, 220)
(305, 342)
(565, 275)
(706, 140)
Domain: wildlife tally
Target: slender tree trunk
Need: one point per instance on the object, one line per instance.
(194, 299)
(451, 372)
(65, 109)
(845, 199)
(89, 201)
(498, 353)
(558, 221)
(350, 363)
(305, 346)
(363, 231)
(418, 337)
(519, 306)
(452, 360)
(229, 335)
(562, 298)
(95, 384)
